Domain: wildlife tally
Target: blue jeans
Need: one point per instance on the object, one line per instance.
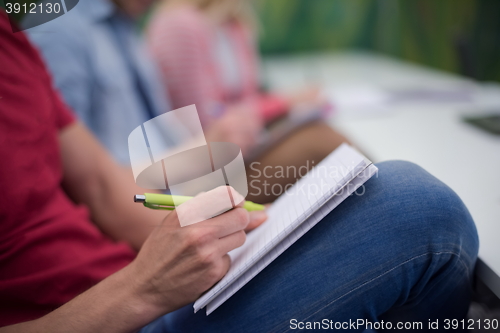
(403, 252)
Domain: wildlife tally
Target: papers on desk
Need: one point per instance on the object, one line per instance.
(366, 99)
(290, 217)
(461, 94)
(358, 99)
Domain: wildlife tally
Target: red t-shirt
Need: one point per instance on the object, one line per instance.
(49, 249)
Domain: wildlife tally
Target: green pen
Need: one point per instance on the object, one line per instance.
(165, 201)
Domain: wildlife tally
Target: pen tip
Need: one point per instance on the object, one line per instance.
(139, 198)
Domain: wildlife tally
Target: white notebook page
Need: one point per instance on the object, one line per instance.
(289, 240)
(334, 175)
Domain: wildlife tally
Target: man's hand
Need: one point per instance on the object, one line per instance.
(257, 217)
(177, 264)
(173, 268)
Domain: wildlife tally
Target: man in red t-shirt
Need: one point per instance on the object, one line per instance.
(69, 232)
(52, 169)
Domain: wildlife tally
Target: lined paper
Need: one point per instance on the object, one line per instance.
(291, 216)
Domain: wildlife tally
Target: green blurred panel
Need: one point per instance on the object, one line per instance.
(456, 35)
(297, 25)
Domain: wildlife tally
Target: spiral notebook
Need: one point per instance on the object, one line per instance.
(290, 217)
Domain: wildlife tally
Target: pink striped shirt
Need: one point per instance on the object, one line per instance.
(184, 44)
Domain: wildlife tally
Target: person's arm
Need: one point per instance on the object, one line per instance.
(113, 305)
(174, 267)
(93, 178)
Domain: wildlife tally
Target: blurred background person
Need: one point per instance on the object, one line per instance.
(106, 75)
(99, 63)
(207, 52)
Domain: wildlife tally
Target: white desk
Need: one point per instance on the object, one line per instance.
(430, 134)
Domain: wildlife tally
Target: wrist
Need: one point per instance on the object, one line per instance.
(143, 303)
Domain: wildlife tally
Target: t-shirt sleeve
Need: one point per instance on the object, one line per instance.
(63, 115)
(17, 44)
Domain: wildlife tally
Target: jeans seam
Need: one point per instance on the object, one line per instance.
(384, 273)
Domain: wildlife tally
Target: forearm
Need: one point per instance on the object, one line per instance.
(92, 178)
(113, 305)
(174, 267)
(113, 209)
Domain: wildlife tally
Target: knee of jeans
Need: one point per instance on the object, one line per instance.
(430, 207)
